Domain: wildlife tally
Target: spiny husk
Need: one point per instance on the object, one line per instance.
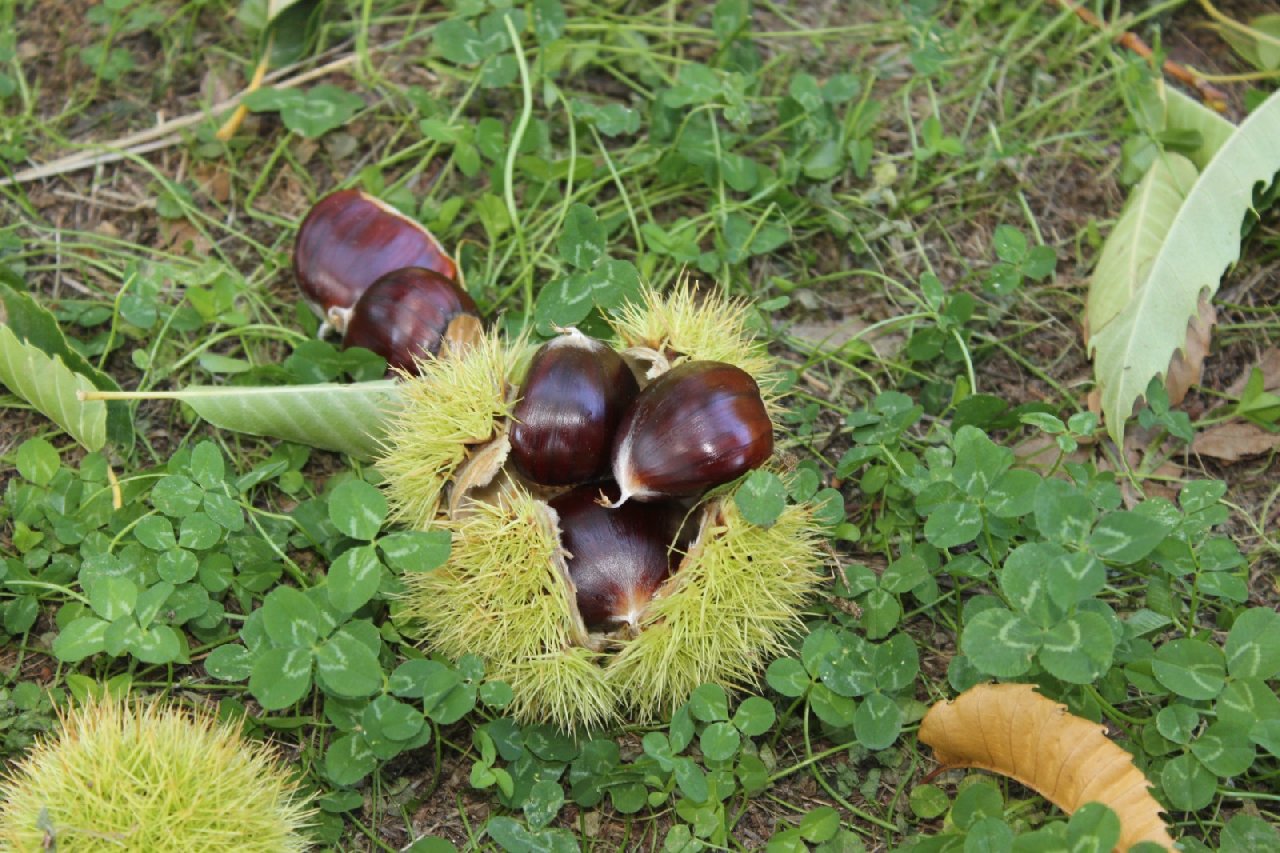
(453, 405)
(702, 325)
(505, 594)
(567, 688)
(731, 606)
(502, 594)
(124, 775)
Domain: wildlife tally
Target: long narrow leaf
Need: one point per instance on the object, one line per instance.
(347, 418)
(1135, 344)
(53, 389)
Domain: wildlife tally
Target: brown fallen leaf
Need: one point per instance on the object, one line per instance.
(1234, 441)
(1269, 364)
(1012, 730)
(1187, 365)
(213, 180)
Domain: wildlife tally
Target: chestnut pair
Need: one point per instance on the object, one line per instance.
(379, 279)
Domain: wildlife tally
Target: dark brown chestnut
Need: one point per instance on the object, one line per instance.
(573, 398)
(698, 425)
(617, 557)
(404, 315)
(348, 241)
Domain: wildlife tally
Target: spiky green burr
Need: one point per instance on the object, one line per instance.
(146, 775)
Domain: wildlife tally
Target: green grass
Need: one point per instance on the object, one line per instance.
(856, 175)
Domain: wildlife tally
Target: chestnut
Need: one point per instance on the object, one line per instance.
(617, 558)
(403, 316)
(700, 424)
(573, 397)
(349, 240)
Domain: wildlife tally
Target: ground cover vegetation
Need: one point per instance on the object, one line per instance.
(911, 200)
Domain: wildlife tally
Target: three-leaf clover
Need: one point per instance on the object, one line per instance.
(359, 510)
(312, 113)
(1018, 261)
(595, 281)
(837, 668)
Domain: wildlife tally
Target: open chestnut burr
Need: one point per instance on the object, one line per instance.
(699, 425)
(574, 394)
(596, 615)
(348, 241)
(405, 315)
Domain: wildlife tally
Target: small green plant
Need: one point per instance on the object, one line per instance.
(1018, 261)
(310, 114)
(852, 684)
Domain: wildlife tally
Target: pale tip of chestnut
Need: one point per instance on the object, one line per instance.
(624, 475)
(336, 319)
(463, 332)
(569, 336)
(631, 619)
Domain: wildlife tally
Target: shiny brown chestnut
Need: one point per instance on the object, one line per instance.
(573, 397)
(348, 241)
(405, 314)
(698, 425)
(617, 557)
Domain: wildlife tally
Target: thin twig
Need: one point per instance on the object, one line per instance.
(1214, 98)
(162, 135)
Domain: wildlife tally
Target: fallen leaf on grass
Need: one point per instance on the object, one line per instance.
(1177, 236)
(1186, 367)
(1012, 730)
(52, 389)
(1231, 442)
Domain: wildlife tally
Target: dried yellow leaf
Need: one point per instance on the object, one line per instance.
(1012, 730)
